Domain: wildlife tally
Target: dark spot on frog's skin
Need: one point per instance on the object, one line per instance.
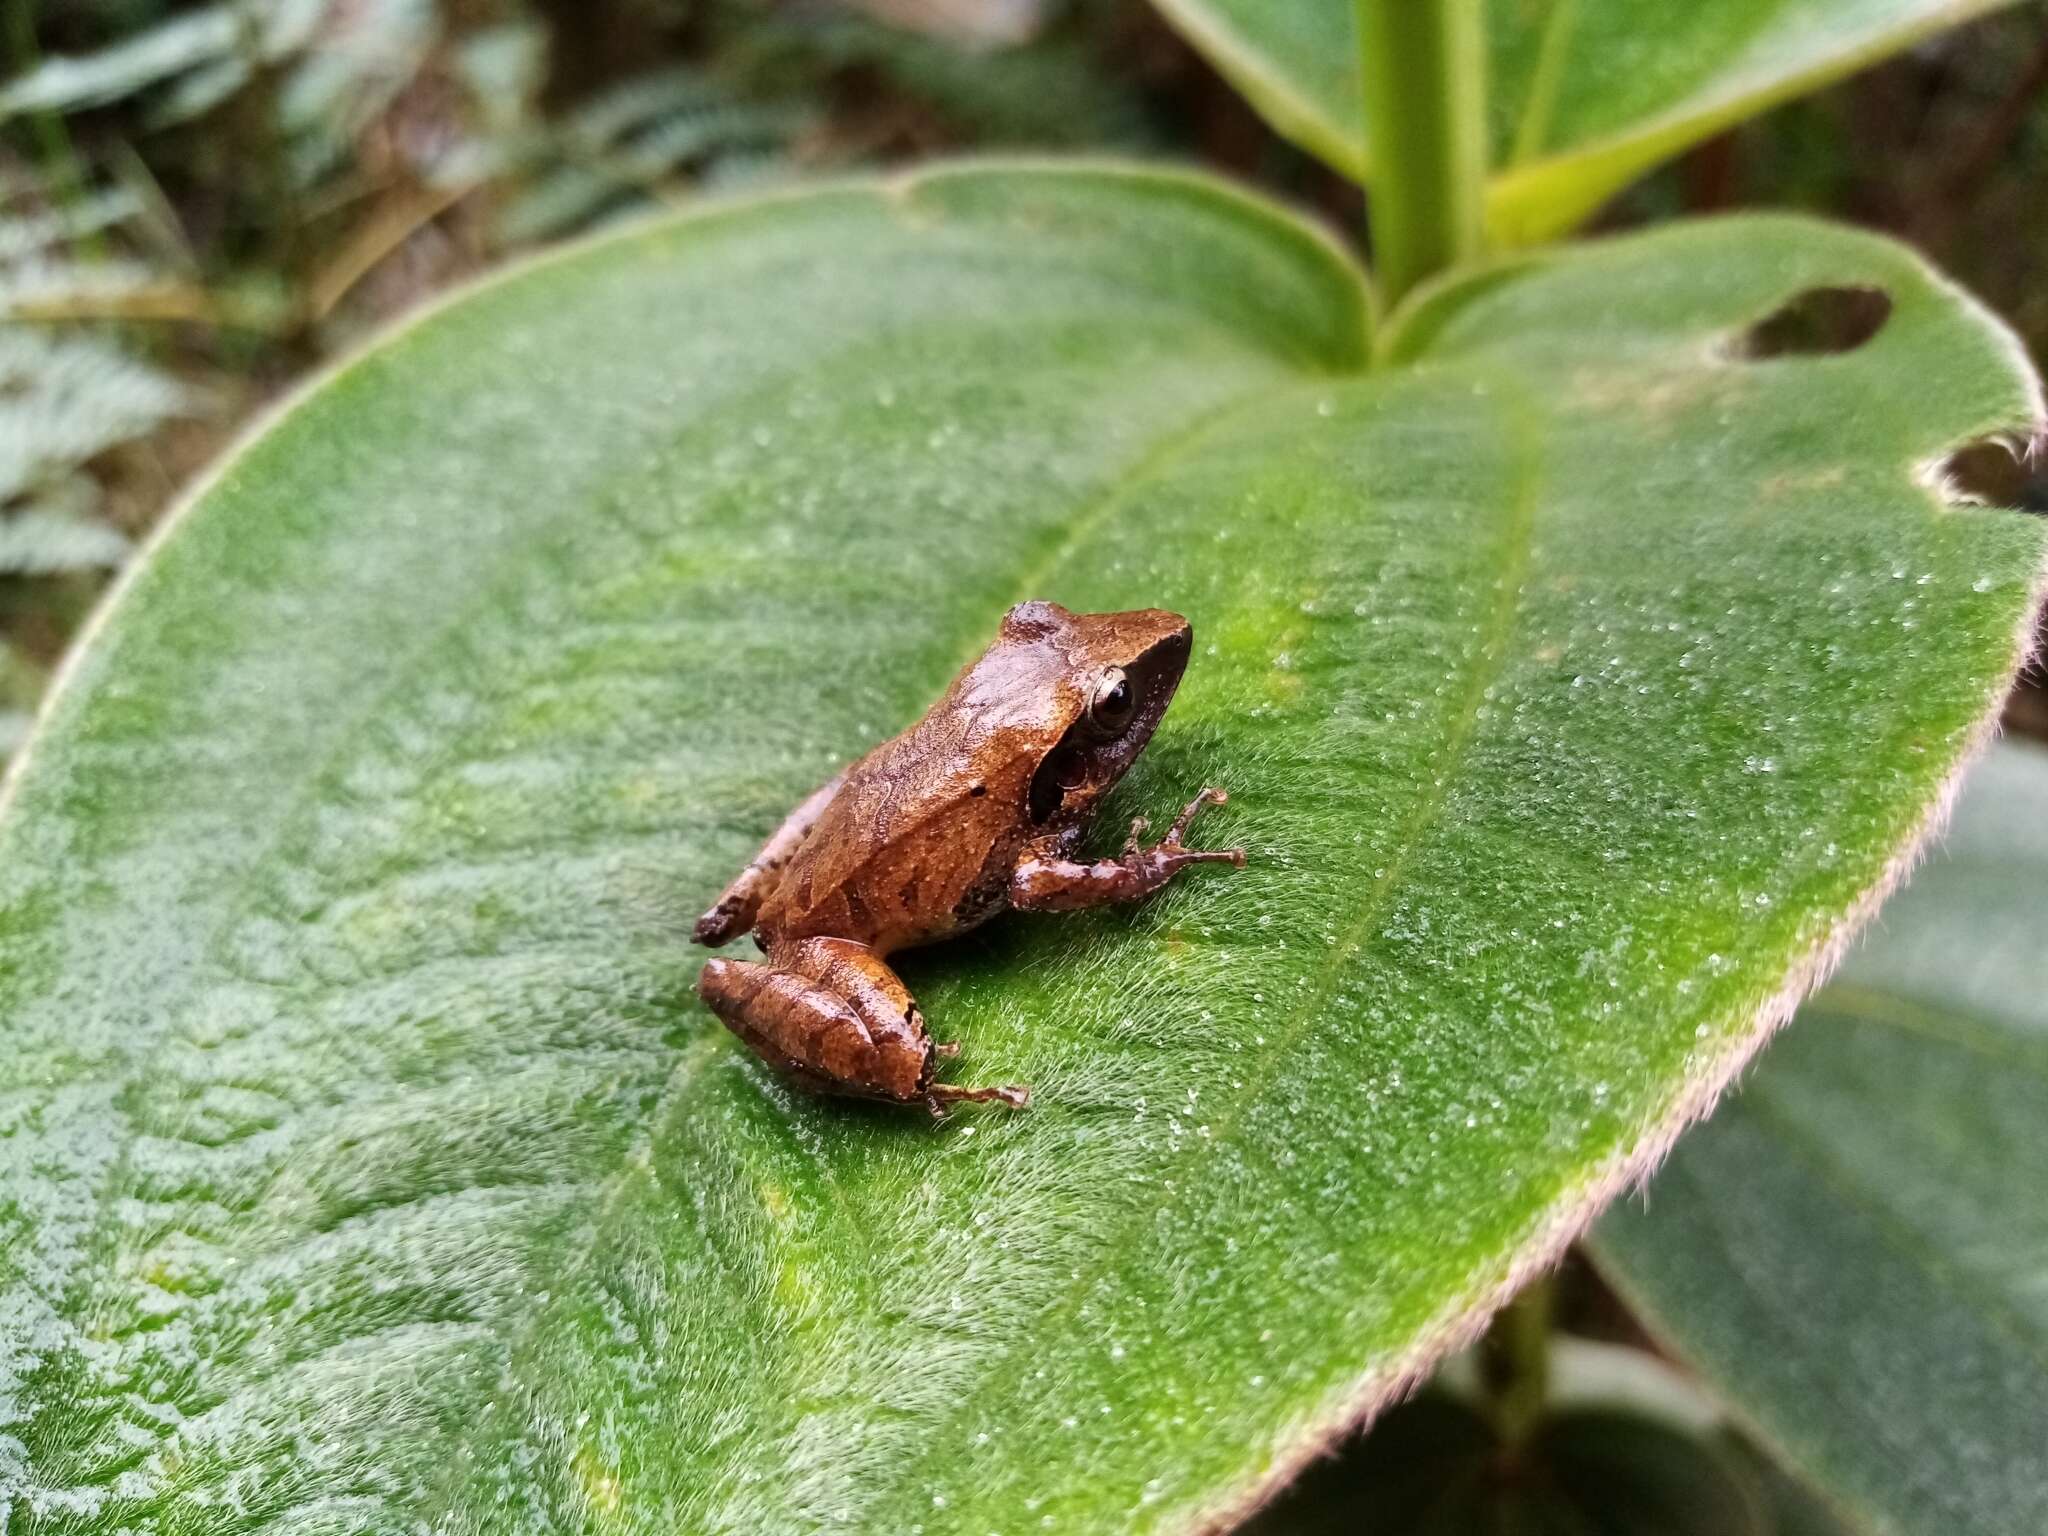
(908, 895)
(977, 790)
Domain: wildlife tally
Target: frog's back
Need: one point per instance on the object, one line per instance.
(905, 856)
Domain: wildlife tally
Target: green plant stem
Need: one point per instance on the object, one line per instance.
(1424, 64)
(1515, 1361)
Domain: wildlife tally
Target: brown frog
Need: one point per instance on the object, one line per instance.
(979, 806)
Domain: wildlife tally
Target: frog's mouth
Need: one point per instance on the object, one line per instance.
(1084, 767)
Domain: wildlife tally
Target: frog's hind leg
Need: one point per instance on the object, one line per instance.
(938, 1096)
(734, 911)
(832, 1012)
(860, 976)
(878, 993)
(803, 1027)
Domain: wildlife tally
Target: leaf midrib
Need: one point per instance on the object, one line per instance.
(1117, 490)
(1517, 528)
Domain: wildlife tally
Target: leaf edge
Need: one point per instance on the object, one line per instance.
(1540, 199)
(1531, 202)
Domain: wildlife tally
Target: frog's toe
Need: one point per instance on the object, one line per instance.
(939, 1095)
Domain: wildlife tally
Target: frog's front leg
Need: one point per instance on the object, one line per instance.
(1044, 881)
(833, 1014)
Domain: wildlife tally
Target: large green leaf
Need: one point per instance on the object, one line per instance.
(1856, 1249)
(369, 1163)
(1584, 95)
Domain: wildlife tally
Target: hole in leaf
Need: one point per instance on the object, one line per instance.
(1816, 323)
(1998, 471)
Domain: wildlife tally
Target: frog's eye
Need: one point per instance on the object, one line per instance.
(1110, 711)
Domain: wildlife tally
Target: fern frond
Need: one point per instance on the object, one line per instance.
(624, 109)
(748, 168)
(65, 399)
(39, 542)
(342, 63)
(366, 52)
(612, 158)
(503, 67)
(667, 146)
(71, 83)
(32, 234)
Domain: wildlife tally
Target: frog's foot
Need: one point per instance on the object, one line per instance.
(1146, 869)
(1139, 824)
(1179, 830)
(723, 923)
(1045, 882)
(939, 1097)
(945, 1050)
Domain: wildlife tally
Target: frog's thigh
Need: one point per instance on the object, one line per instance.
(789, 1020)
(854, 1041)
(860, 976)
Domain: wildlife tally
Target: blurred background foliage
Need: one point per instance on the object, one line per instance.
(200, 203)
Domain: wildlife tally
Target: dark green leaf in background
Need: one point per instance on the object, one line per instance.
(1855, 1249)
(1578, 1438)
(1438, 1467)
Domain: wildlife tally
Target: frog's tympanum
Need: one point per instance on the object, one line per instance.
(979, 806)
